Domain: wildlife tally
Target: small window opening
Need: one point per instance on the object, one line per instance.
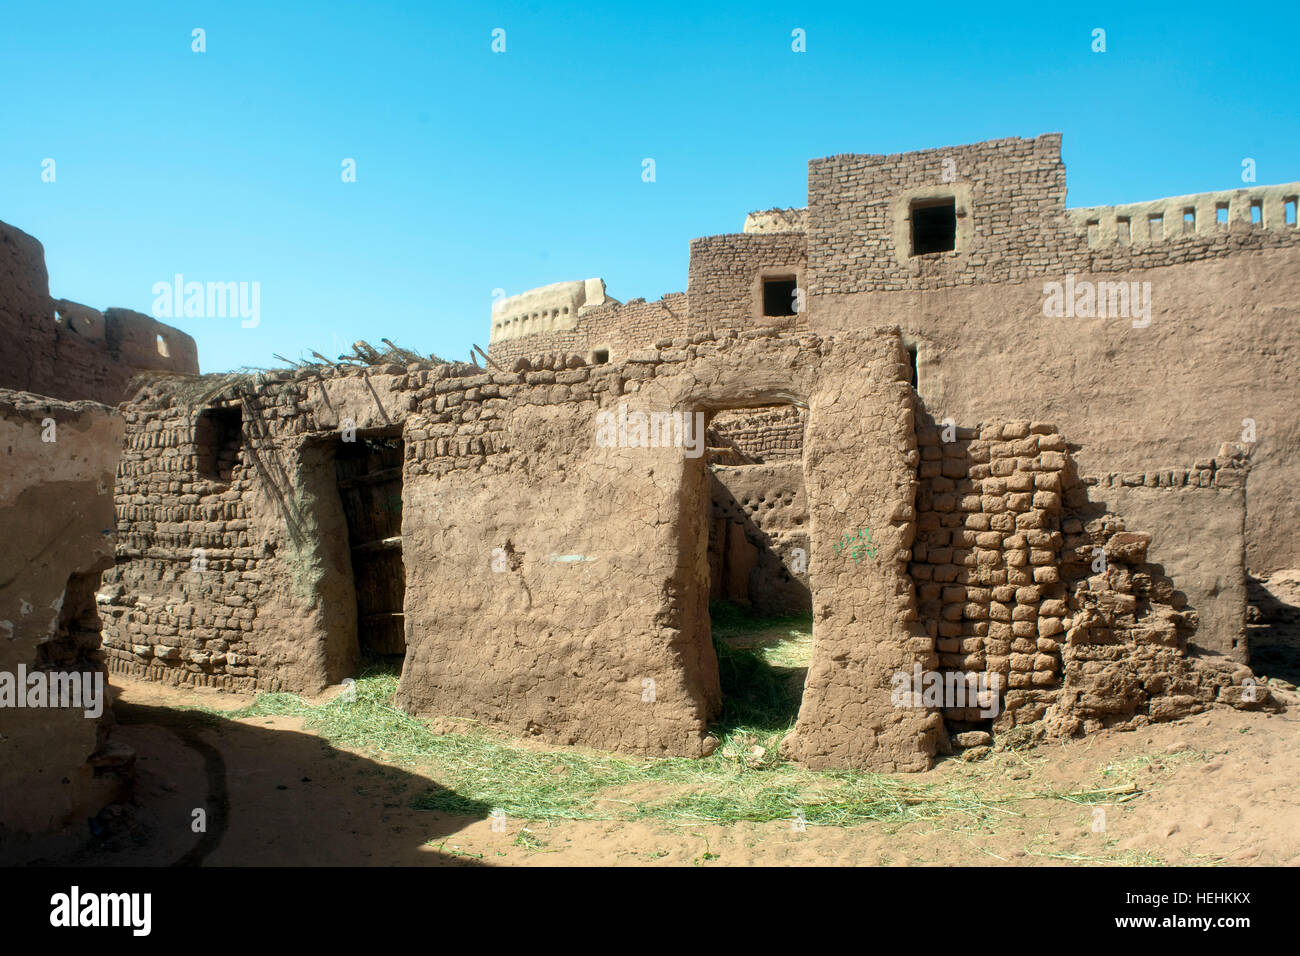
(1189, 220)
(217, 437)
(1221, 213)
(911, 358)
(934, 227)
(1257, 212)
(1124, 230)
(163, 350)
(600, 356)
(1094, 231)
(779, 296)
(1156, 226)
(1290, 208)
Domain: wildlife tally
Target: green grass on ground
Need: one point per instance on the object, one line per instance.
(737, 783)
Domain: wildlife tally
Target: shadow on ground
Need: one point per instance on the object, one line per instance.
(267, 794)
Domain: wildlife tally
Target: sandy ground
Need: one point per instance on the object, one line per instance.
(1219, 788)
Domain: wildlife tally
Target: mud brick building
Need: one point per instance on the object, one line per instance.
(957, 246)
(541, 579)
(1068, 506)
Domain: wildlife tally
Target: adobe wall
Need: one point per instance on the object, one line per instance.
(986, 558)
(604, 594)
(57, 765)
(763, 435)
(1196, 519)
(550, 308)
(1050, 582)
(758, 541)
(726, 273)
(70, 351)
(239, 581)
(1223, 313)
(859, 464)
(619, 327)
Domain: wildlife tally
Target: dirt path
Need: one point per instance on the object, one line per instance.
(1218, 788)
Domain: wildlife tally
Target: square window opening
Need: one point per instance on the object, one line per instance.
(600, 356)
(779, 296)
(1257, 212)
(1156, 226)
(934, 227)
(1221, 213)
(1289, 207)
(1124, 229)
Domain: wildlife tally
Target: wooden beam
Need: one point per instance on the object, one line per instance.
(384, 544)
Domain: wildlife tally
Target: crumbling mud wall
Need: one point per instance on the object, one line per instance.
(57, 763)
(1025, 573)
(1196, 517)
(71, 351)
(1127, 655)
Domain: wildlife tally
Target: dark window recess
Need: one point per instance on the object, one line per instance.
(778, 296)
(911, 359)
(934, 228)
(217, 436)
(600, 356)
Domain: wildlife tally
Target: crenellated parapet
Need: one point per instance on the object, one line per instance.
(1198, 214)
(549, 308)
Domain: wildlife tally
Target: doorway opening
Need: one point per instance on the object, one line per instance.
(369, 475)
(760, 604)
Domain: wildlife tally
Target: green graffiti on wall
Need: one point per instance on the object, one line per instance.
(857, 545)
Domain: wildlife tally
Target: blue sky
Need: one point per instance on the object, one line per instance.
(479, 171)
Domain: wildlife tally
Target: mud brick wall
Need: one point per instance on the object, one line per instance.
(724, 280)
(985, 561)
(70, 351)
(1015, 206)
(1013, 193)
(227, 580)
(1223, 309)
(607, 592)
(763, 434)
(619, 327)
(1004, 568)
(57, 766)
(1125, 652)
(535, 647)
(760, 519)
(1196, 519)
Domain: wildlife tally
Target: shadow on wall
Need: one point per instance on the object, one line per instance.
(1273, 623)
(744, 565)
